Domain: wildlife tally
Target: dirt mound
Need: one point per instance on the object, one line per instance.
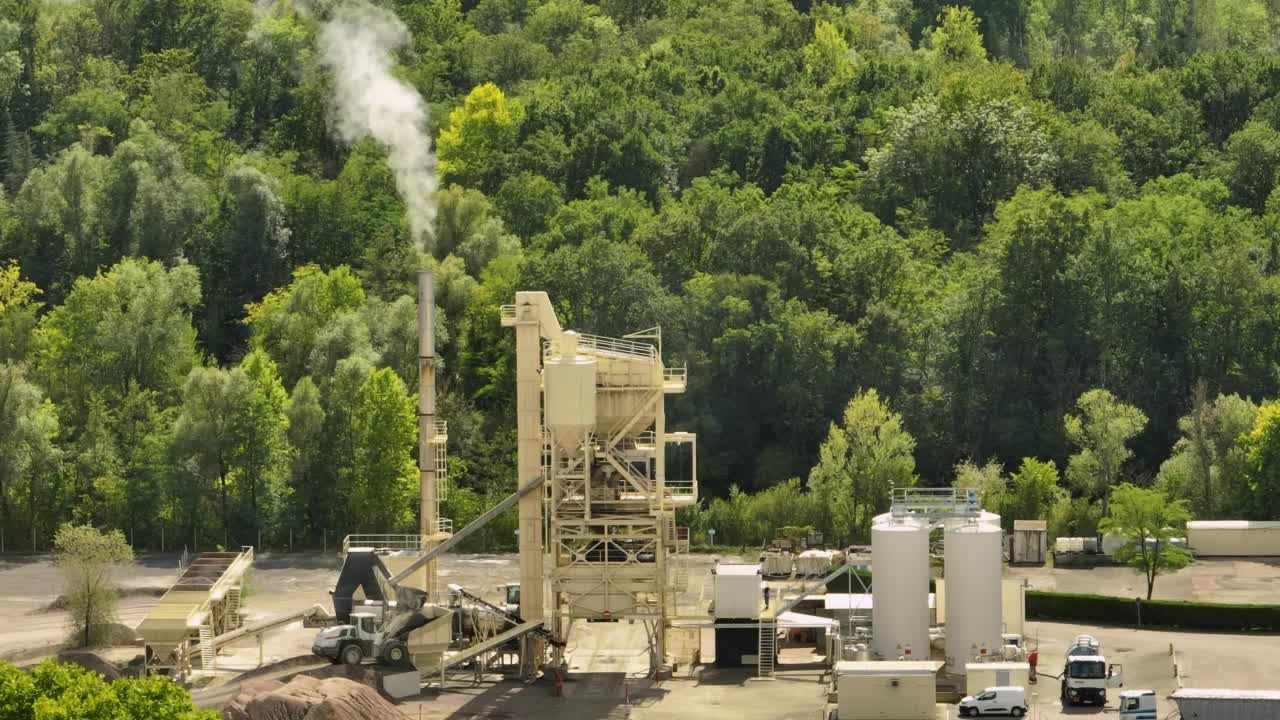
(60, 602)
(308, 698)
(301, 662)
(90, 661)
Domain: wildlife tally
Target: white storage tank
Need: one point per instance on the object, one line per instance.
(569, 381)
(900, 588)
(973, 569)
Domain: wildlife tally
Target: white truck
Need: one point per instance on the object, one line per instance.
(1086, 676)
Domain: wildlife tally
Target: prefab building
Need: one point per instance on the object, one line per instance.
(1234, 538)
(738, 594)
(1030, 542)
(887, 690)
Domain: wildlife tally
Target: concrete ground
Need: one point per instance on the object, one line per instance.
(608, 661)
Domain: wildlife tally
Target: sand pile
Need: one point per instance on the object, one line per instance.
(307, 698)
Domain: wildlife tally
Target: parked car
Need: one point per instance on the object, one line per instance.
(995, 701)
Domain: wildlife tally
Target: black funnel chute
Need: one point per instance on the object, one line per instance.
(359, 572)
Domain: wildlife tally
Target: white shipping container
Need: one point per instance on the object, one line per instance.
(1198, 704)
(1234, 538)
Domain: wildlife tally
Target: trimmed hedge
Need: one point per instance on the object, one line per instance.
(1106, 610)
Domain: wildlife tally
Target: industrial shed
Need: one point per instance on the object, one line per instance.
(1030, 542)
(1234, 538)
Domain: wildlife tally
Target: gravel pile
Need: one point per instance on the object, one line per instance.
(308, 698)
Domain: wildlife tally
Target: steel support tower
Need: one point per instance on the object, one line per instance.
(591, 420)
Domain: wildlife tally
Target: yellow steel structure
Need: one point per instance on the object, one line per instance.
(591, 420)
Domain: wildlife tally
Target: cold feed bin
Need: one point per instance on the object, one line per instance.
(973, 556)
(900, 588)
(570, 385)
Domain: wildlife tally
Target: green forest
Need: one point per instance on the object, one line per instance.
(1026, 246)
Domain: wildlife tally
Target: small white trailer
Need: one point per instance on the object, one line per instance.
(1217, 704)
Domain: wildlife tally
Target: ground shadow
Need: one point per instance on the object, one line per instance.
(513, 699)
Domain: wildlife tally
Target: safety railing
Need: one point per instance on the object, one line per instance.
(507, 314)
(600, 344)
(675, 375)
(935, 501)
(444, 525)
(382, 542)
(233, 574)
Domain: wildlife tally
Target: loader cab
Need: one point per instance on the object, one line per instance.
(366, 623)
(510, 597)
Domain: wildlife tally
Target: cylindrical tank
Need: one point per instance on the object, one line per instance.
(899, 588)
(973, 573)
(569, 382)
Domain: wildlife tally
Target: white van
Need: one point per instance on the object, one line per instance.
(995, 701)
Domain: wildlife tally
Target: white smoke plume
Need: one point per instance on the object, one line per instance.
(357, 45)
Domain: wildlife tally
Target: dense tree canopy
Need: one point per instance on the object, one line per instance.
(990, 217)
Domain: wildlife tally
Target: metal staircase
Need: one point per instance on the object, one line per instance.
(233, 610)
(208, 656)
(768, 646)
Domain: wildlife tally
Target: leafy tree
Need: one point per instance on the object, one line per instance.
(288, 321)
(1262, 453)
(956, 39)
(988, 480)
(1035, 490)
(1208, 465)
(128, 329)
(1148, 520)
(52, 690)
(479, 130)
(308, 496)
(1101, 431)
(28, 454)
(862, 459)
(920, 164)
(18, 308)
(1249, 161)
(88, 559)
(379, 485)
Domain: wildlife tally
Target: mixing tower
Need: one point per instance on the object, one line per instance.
(591, 420)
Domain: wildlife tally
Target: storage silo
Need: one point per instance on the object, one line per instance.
(569, 381)
(900, 587)
(973, 571)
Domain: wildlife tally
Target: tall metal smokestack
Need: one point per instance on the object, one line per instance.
(429, 509)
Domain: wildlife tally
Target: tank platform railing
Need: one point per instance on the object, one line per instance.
(383, 542)
(598, 344)
(936, 503)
